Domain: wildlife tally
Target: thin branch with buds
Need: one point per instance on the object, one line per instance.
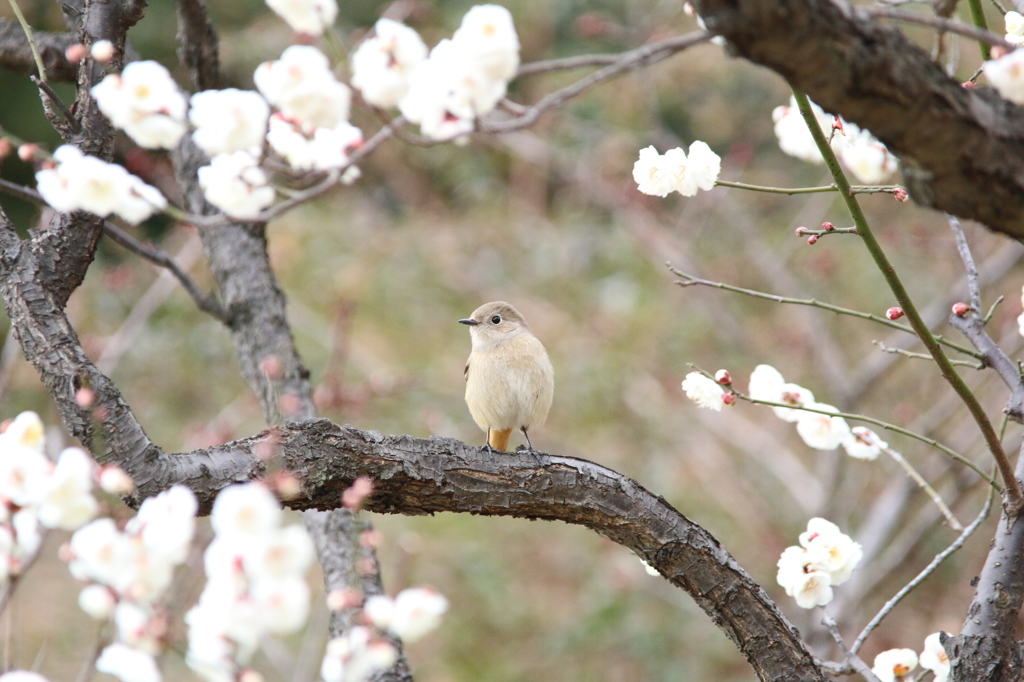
(939, 24)
(924, 356)
(690, 280)
(857, 189)
(852, 659)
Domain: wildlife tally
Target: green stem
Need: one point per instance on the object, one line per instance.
(903, 298)
(978, 17)
(31, 40)
(857, 189)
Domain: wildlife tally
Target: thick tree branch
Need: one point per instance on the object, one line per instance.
(962, 150)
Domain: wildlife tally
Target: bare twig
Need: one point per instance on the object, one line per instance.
(962, 247)
(855, 661)
(928, 570)
(566, 63)
(857, 189)
(627, 61)
(953, 522)
(31, 39)
(924, 356)
(690, 280)
(205, 302)
(55, 99)
(939, 24)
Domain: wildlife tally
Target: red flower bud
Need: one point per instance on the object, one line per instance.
(812, 240)
(827, 226)
(729, 398)
(970, 85)
(722, 376)
(900, 194)
(960, 309)
(28, 151)
(801, 231)
(894, 313)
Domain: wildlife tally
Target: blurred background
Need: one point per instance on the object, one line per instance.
(549, 219)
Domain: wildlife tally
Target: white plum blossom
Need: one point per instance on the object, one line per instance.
(381, 65)
(166, 523)
(894, 663)
(300, 84)
(64, 498)
(115, 481)
(22, 676)
(145, 102)
(355, 656)
(864, 443)
(821, 431)
(766, 383)
(97, 601)
(86, 183)
(1020, 318)
(236, 184)
(412, 614)
(793, 134)
(1014, 24)
(128, 664)
(25, 430)
(831, 550)
(447, 92)
(229, 121)
(324, 149)
(707, 393)
(677, 171)
(255, 582)
(488, 38)
(310, 17)
(935, 658)
(868, 159)
(809, 586)
(1006, 75)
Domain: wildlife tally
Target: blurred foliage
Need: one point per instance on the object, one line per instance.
(549, 219)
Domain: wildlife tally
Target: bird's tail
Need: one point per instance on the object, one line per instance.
(499, 439)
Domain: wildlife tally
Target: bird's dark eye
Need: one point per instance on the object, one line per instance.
(496, 319)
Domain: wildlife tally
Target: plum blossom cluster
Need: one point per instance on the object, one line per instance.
(255, 570)
(363, 650)
(825, 557)
(128, 573)
(78, 182)
(36, 493)
(868, 159)
(894, 664)
(819, 431)
(676, 171)
(445, 91)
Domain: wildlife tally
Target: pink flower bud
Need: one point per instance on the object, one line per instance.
(837, 125)
(960, 309)
(729, 398)
(812, 240)
(85, 397)
(827, 226)
(900, 194)
(75, 52)
(722, 376)
(28, 151)
(801, 231)
(998, 51)
(5, 148)
(894, 313)
(339, 600)
(353, 496)
(970, 85)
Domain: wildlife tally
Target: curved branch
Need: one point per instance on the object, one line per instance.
(962, 150)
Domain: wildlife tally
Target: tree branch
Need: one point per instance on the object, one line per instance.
(962, 150)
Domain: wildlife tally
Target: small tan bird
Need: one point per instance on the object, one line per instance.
(509, 378)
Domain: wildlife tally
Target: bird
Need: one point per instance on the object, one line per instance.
(510, 382)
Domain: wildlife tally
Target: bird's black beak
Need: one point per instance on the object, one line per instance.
(471, 322)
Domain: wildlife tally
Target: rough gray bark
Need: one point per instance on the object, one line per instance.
(962, 150)
(15, 54)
